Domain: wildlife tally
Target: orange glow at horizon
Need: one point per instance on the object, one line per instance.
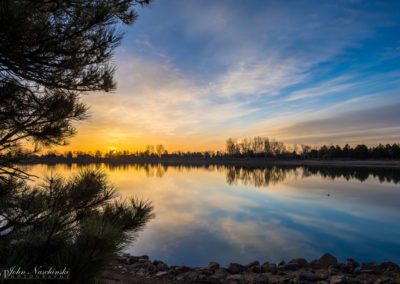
(132, 143)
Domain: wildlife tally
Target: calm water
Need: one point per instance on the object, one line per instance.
(229, 214)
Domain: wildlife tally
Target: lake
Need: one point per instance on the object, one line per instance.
(234, 214)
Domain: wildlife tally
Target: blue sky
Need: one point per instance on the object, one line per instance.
(193, 73)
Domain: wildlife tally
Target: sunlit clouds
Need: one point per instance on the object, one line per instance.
(192, 74)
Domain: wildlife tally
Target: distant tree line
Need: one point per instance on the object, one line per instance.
(265, 147)
(261, 147)
(255, 147)
(151, 152)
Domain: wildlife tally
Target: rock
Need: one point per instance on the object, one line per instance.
(253, 267)
(220, 274)
(180, 277)
(235, 268)
(332, 270)
(384, 281)
(136, 266)
(137, 258)
(269, 267)
(323, 274)
(338, 279)
(234, 277)
(143, 258)
(388, 265)
(289, 267)
(124, 259)
(264, 266)
(213, 265)
(367, 271)
(301, 262)
(161, 266)
(183, 268)
(201, 277)
(324, 262)
(151, 268)
(254, 263)
(142, 272)
(178, 270)
(161, 273)
(233, 281)
(288, 278)
(207, 271)
(260, 279)
(369, 266)
(314, 264)
(341, 266)
(350, 266)
(363, 278)
(281, 273)
(352, 263)
(192, 275)
(307, 276)
(325, 270)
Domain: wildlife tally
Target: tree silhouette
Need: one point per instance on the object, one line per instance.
(51, 52)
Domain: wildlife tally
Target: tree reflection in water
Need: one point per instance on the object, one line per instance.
(258, 176)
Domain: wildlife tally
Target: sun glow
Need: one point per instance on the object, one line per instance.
(112, 149)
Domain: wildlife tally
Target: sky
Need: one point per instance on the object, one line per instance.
(193, 73)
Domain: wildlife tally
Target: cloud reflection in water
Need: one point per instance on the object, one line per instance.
(236, 214)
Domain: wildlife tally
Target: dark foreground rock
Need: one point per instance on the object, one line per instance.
(326, 270)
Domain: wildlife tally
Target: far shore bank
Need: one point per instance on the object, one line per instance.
(244, 162)
(325, 270)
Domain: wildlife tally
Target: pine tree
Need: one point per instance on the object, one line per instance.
(52, 52)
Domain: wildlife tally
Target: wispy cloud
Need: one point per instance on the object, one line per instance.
(261, 78)
(374, 125)
(193, 74)
(332, 86)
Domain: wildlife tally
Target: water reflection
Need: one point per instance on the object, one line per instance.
(259, 176)
(266, 176)
(241, 214)
(255, 176)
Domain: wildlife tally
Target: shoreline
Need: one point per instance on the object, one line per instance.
(325, 270)
(244, 162)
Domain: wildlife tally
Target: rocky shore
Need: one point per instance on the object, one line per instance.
(326, 270)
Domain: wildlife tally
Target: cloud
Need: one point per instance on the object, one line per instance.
(260, 78)
(325, 88)
(373, 125)
(191, 74)
(156, 100)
